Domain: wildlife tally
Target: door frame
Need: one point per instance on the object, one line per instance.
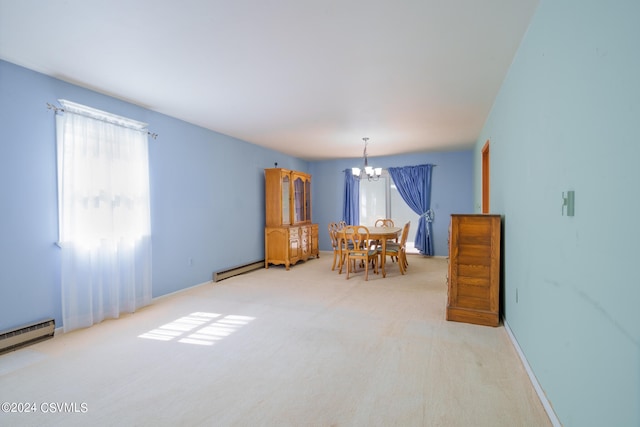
(485, 178)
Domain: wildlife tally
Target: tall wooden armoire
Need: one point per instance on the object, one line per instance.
(474, 269)
(289, 235)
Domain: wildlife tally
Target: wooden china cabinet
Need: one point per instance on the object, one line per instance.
(289, 235)
(474, 269)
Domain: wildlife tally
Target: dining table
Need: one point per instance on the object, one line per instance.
(381, 234)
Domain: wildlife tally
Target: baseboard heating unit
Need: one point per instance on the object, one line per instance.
(26, 335)
(234, 271)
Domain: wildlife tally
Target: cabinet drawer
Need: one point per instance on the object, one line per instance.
(294, 233)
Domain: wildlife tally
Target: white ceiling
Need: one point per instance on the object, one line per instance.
(309, 78)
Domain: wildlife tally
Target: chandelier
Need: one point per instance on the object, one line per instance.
(371, 173)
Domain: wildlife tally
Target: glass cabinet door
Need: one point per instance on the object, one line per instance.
(298, 200)
(307, 201)
(285, 200)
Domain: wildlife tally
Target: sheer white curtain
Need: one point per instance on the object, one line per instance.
(103, 200)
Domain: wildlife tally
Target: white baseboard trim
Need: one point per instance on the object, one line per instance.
(170, 294)
(536, 385)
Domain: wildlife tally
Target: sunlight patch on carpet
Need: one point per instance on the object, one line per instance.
(198, 328)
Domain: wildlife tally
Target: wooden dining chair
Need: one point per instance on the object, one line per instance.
(357, 238)
(405, 231)
(384, 222)
(343, 245)
(333, 237)
(399, 250)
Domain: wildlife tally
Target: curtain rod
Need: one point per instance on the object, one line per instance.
(58, 109)
(387, 168)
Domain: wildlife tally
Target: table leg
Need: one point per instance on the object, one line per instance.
(384, 257)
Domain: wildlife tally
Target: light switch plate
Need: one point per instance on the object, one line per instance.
(568, 201)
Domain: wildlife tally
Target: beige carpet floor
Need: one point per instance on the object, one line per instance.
(303, 347)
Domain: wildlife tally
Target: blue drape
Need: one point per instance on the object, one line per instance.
(350, 209)
(414, 185)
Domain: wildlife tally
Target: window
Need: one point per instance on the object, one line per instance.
(374, 200)
(380, 199)
(104, 217)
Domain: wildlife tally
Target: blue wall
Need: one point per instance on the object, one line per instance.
(568, 118)
(451, 192)
(207, 195)
(207, 192)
